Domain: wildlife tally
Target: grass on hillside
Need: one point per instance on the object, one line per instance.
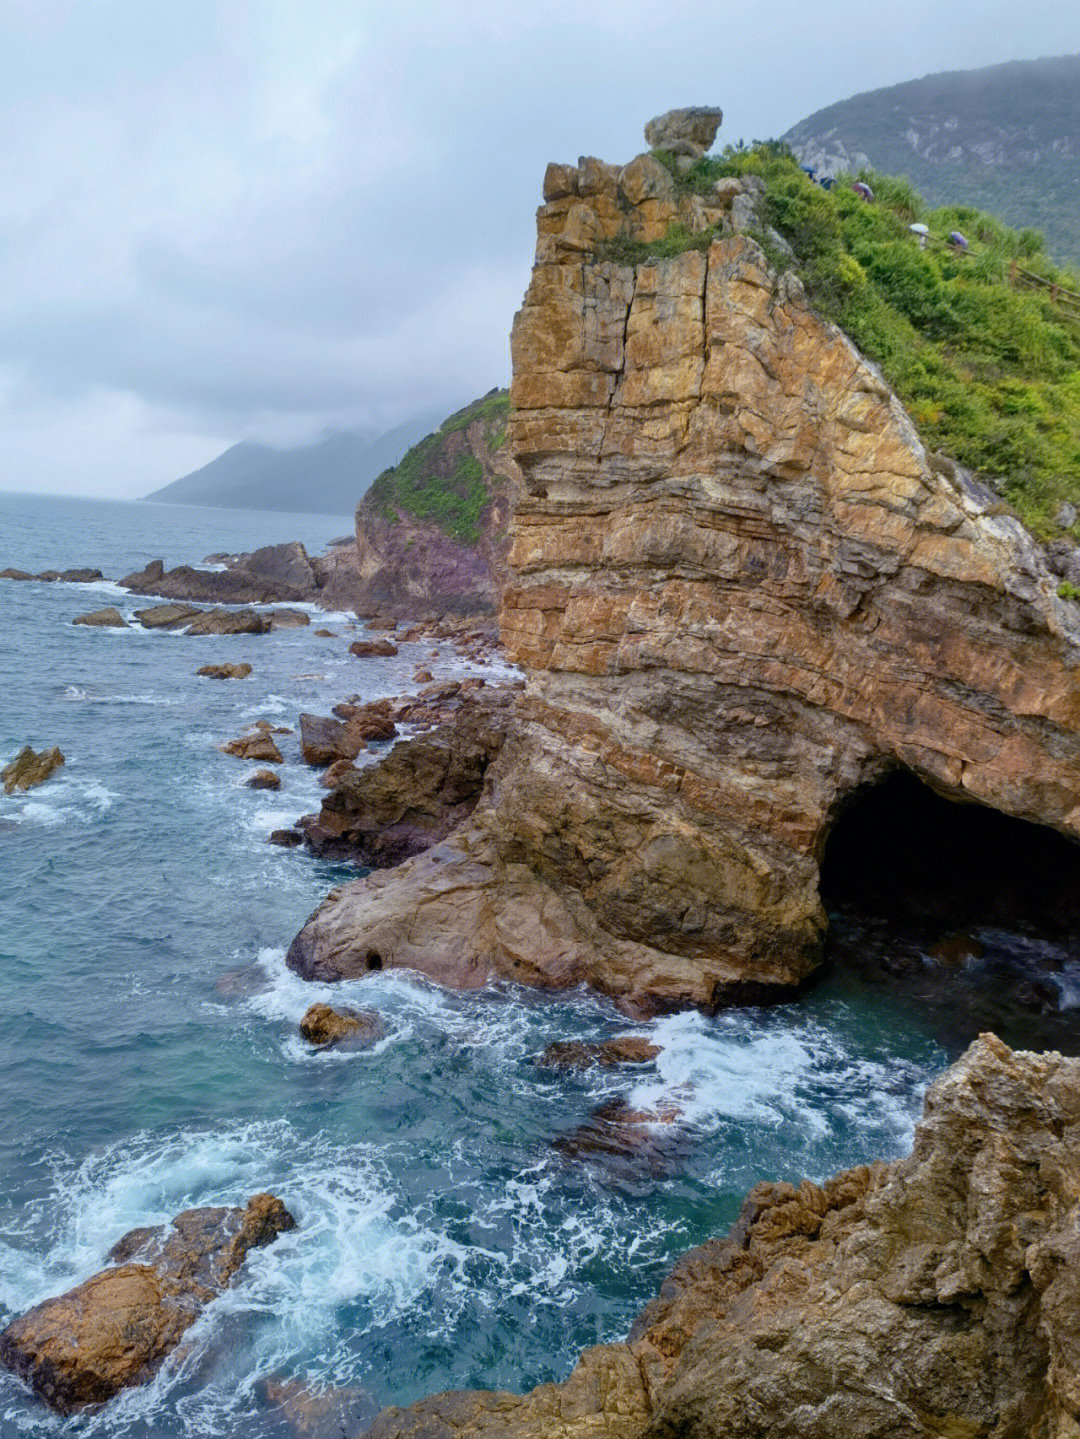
(428, 486)
(989, 373)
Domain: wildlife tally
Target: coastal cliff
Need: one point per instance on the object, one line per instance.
(741, 590)
(931, 1298)
(432, 533)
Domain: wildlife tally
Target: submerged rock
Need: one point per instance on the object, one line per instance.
(109, 617)
(30, 768)
(263, 779)
(225, 672)
(324, 1026)
(607, 1053)
(115, 1330)
(929, 1298)
(324, 1412)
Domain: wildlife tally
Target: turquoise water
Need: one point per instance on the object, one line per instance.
(150, 1058)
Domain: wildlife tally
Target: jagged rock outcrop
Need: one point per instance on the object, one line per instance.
(689, 131)
(115, 1329)
(30, 768)
(932, 1298)
(741, 589)
(432, 534)
(414, 796)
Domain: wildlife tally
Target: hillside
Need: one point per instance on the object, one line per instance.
(322, 478)
(989, 373)
(432, 531)
(1005, 138)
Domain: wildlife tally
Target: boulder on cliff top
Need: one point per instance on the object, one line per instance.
(29, 768)
(929, 1298)
(109, 618)
(115, 1330)
(684, 132)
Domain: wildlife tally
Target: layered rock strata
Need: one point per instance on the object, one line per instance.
(932, 1298)
(741, 589)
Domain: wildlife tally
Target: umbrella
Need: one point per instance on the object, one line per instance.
(919, 229)
(862, 188)
(957, 240)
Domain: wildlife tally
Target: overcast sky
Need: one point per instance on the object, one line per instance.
(227, 219)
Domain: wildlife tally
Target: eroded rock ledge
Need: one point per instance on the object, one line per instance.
(740, 589)
(932, 1298)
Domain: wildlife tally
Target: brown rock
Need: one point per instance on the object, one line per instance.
(322, 1413)
(257, 745)
(741, 591)
(115, 1330)
(646, 1137)
(10, 574)
(367, 649)
(607, 1053)
(289, 619)
(109, 618)
(931, 1298)
(324, 1026)
(414, 796)
(263, 779)
(167, 617)
(421, 677)
(323, 634)
(225, 672)
(333, 776)
(286, 838)
(324, 740)
(229, 622)
(29, 769)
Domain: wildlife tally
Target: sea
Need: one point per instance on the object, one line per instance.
(447, 1234)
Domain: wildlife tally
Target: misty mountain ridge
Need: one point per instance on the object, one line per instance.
(327, 476)
(1005, 138)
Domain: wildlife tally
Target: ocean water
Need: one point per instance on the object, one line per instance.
(150, 1059)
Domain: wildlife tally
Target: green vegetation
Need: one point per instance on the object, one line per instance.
(440, 481)
(1068, 591)
(989, 373)
(1000, 138)
(623, 250)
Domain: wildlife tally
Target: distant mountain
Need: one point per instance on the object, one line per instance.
(1005, 139)
(327, 477)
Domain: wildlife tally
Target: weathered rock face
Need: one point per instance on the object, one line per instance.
(386, 812)
(932, 1298)
(115, 1330)
(741, 589)
(225, 671)
(326, 1027)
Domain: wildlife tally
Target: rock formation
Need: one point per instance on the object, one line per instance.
(414, 796)
(932, 1298)
(607, 1053)
(741, 589)
(115, 1329)
(225, 671)
(684, 132)
(432, 533)
(108, 618)
(325, 1027)
(30, 768)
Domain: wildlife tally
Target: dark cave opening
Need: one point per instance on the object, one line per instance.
(950, 894)
(900, 851)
